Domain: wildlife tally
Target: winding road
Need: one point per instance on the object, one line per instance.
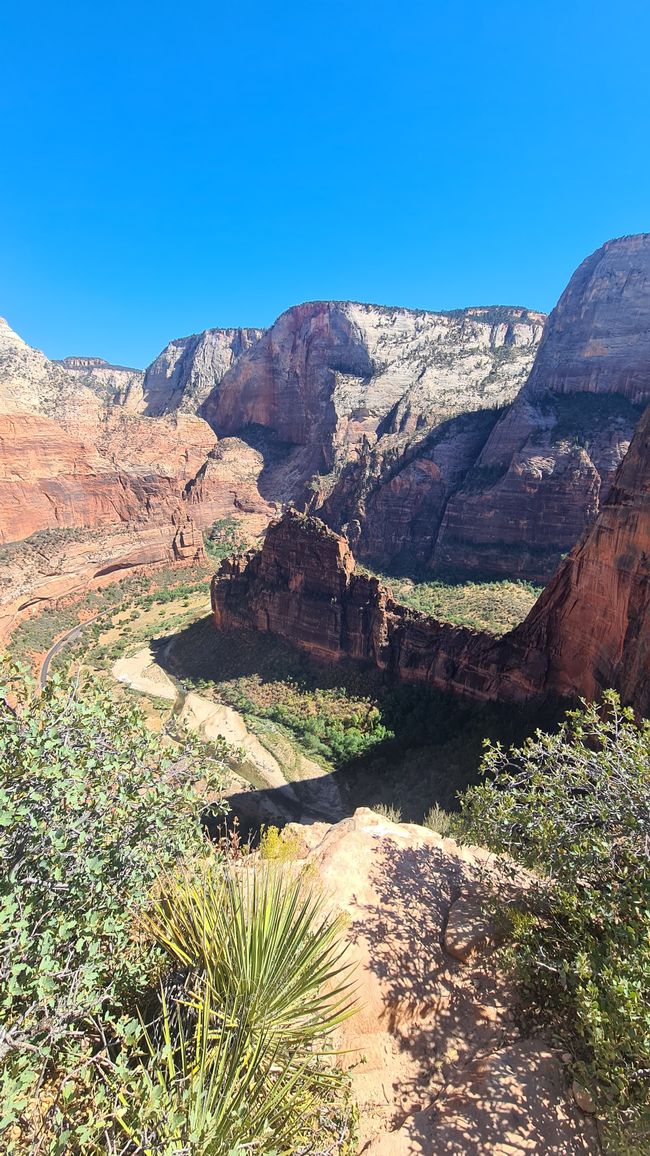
(58, 646)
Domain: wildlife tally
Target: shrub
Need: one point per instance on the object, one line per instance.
(575, 807)
(393, 814)
(438, 820)
(279, 845)
(241, 1061)
(92, 805)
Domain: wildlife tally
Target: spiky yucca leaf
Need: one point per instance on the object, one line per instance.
(265, 944)
(212, 1090)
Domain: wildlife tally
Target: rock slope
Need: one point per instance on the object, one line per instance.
(332, 382)
(589, 630)
(72, 456)
(75, 461)
(437, 1060)
(403, 429)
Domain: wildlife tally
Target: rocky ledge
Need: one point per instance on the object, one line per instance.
(437, 1060)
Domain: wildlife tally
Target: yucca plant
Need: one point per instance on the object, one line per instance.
(209, 1089)
(238, 1058)
(265, 944)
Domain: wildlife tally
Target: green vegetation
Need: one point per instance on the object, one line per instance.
(393, 814)
(330, 723)
(36, 635)
(260, 952)
(495, 607)
(575, 807)
(44, 541)
(278, 845)
(418, 746)
(152, 1000)
(582, 417)
(439, 821)
(223, 538)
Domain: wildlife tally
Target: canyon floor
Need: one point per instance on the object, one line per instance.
(310, 741)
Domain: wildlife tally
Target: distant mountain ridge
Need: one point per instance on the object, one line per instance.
(481, 439)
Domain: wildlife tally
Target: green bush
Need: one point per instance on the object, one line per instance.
(575, 807)
(92, 805)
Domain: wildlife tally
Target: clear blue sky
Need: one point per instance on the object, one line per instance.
(172, 166)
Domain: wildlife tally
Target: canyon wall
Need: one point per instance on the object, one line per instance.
(410, 432)
(72, 456)
(340, 396)
(548, 463)
(589, 630)
(188, 369)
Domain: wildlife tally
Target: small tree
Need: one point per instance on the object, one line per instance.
(575, 807)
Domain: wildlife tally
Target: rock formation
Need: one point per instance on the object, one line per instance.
(589, 630)
(592, 622)
(73, 458)
(188, 369)
(386, 422)
(549, 462)
(112, 383)
(71, 455)
(342, 396)
(437, 1060)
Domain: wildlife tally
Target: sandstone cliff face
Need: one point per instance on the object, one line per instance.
(30, 383)
(369, 396)
(592, 623)
(549, 462)
(72, 456)
(348, 391)
(589, 630)
(59, 563)
(303, 586)
(188, 369)
(113, 384)
(340, 371)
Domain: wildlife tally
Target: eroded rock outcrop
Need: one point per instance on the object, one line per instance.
(437, 1059)
(72, 456)
(74, 460)
(386, 422)
(592, 622)
(589, 630)
(343, 396)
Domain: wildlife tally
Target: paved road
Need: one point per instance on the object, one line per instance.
(58, 646)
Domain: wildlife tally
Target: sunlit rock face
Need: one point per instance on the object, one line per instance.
(589, 630)
(188, 369)
(373, 415)
(74, 456)
(438, 1060)
(592, 623)
(410, 432)
(547, 465)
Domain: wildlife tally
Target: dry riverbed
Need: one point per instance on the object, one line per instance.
(252, 762)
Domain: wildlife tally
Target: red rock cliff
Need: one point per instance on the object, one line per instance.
(589, 630)
(547, 465)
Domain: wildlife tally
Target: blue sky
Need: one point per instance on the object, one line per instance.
(168, 167)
